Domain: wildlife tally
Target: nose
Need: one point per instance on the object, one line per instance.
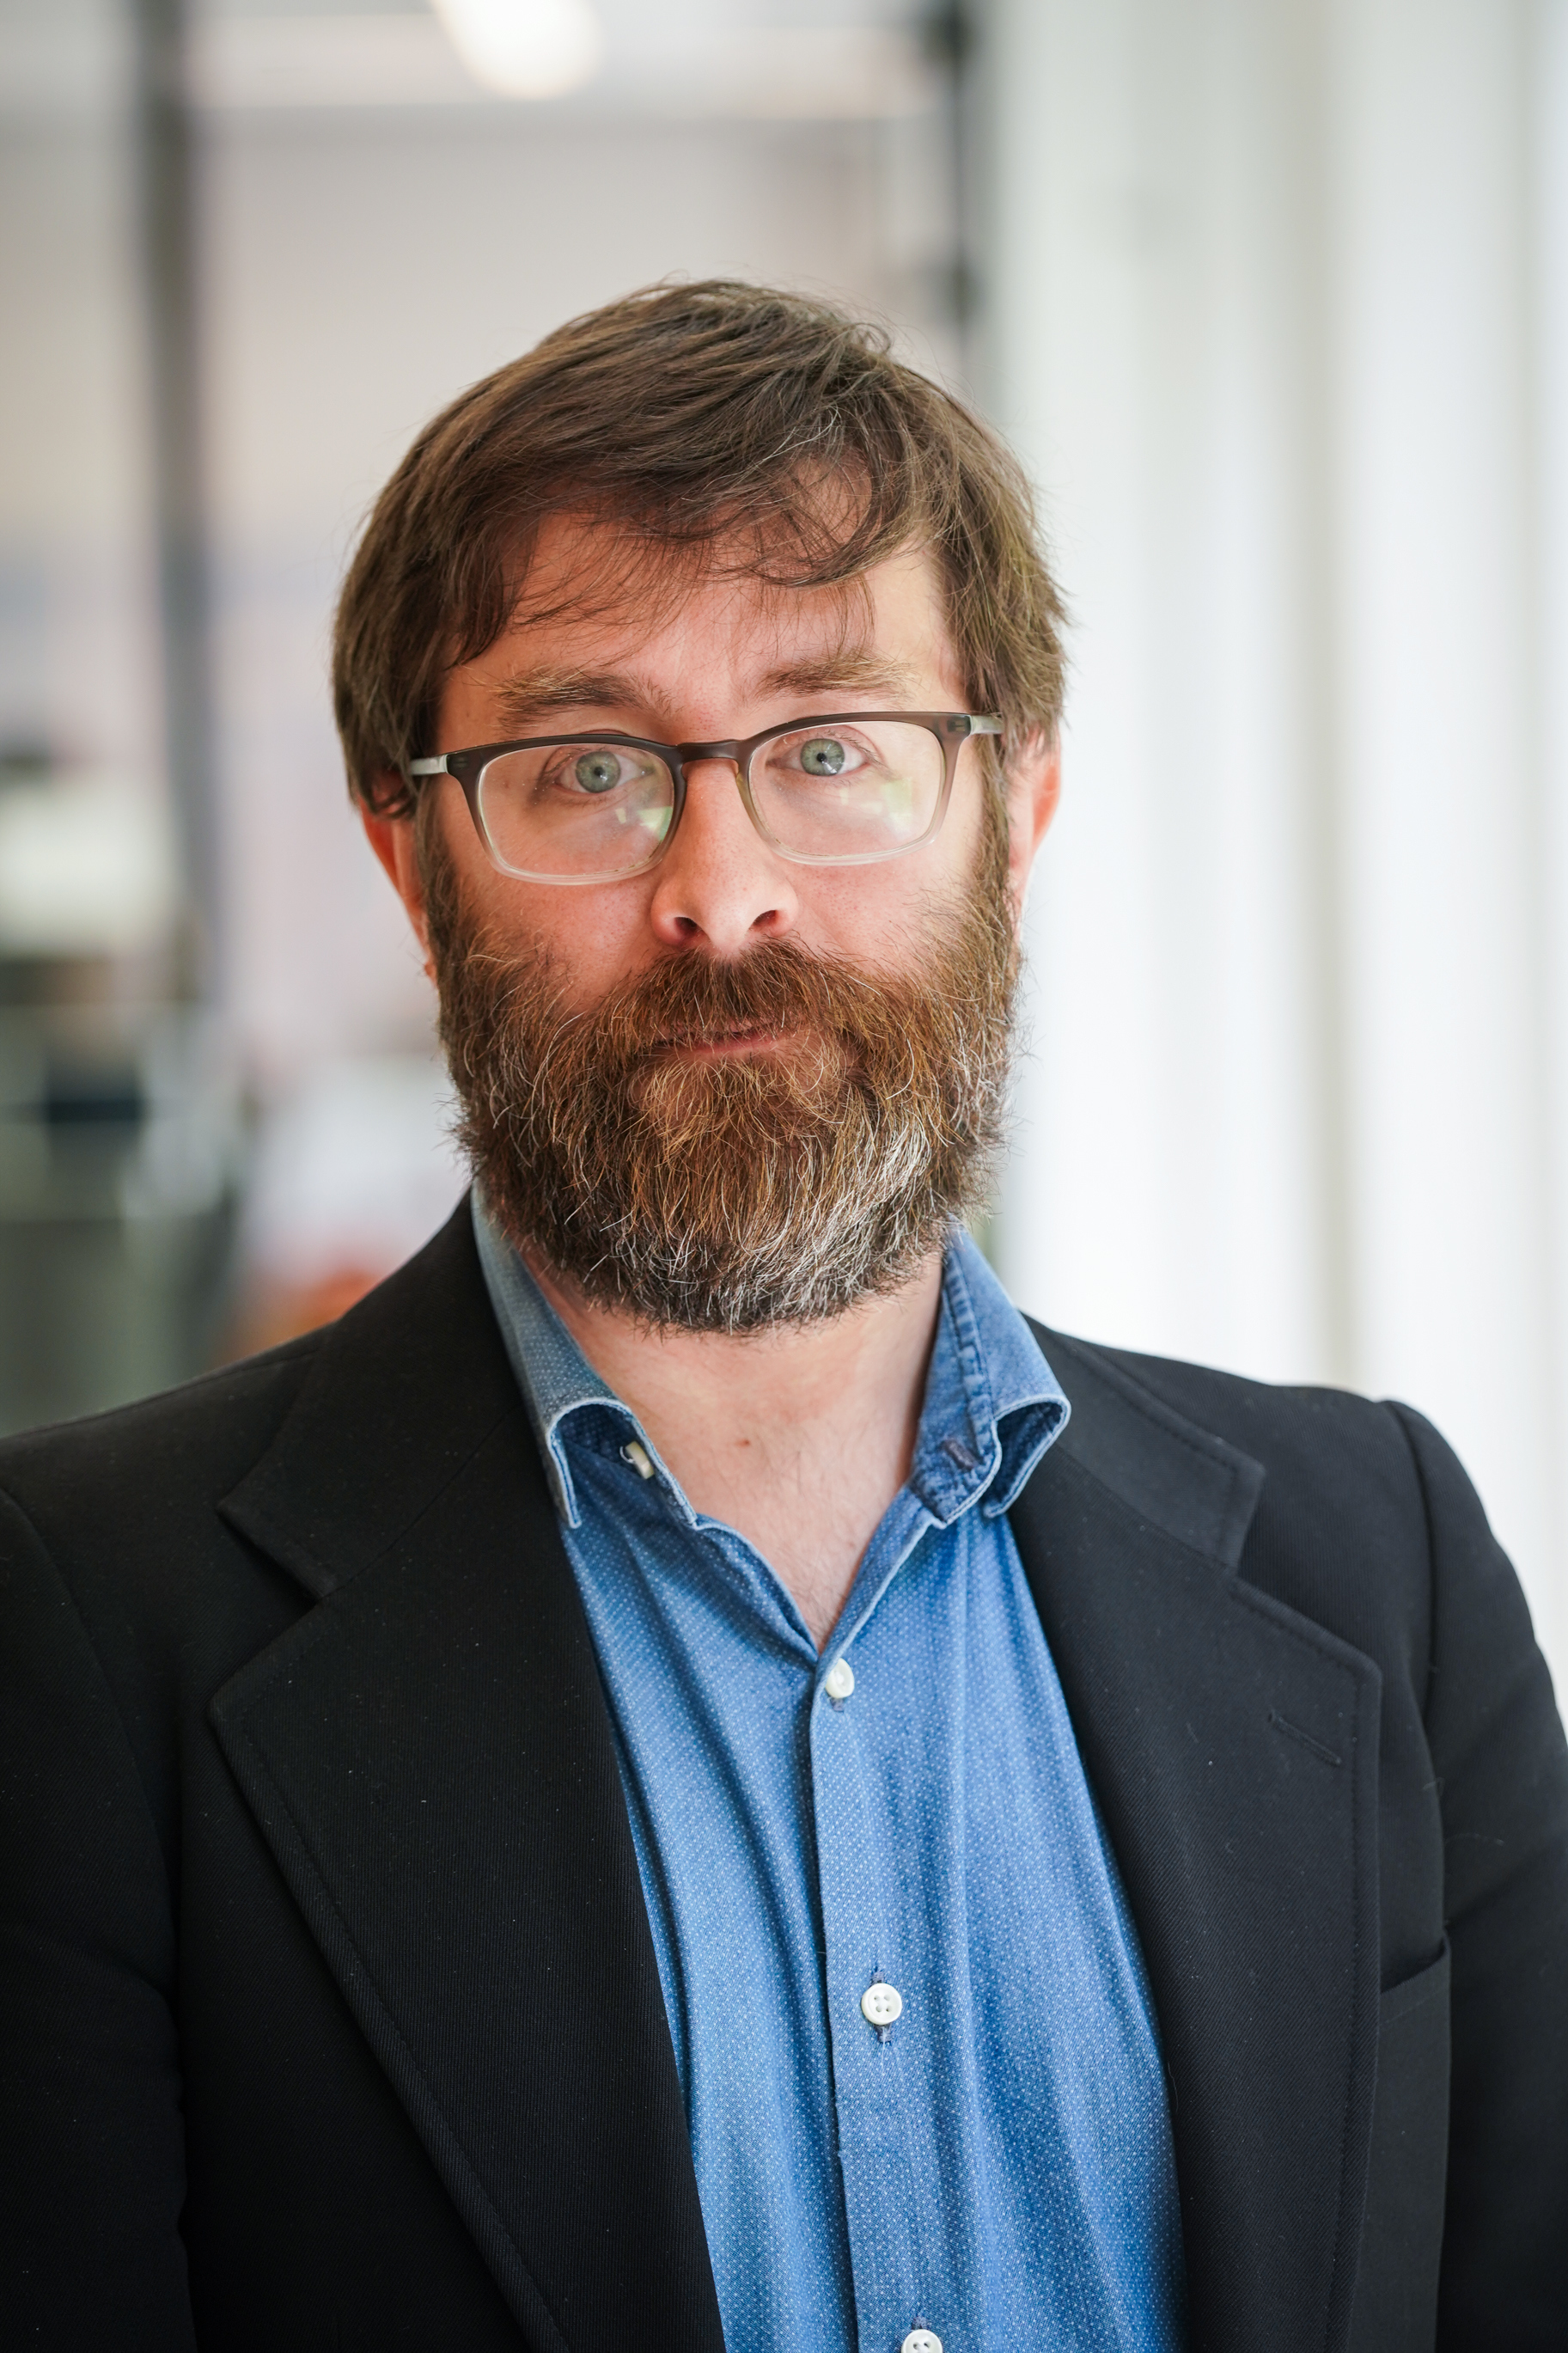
(719, 886)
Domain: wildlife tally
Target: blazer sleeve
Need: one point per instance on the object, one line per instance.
(1499, 1752)
(91, 2157)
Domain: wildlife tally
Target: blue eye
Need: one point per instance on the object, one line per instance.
(598, 771)
(823, 755)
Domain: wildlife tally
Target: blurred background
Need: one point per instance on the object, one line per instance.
(1271, 296)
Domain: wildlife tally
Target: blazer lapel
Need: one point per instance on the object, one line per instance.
(430, 1755)
(1232, 1746)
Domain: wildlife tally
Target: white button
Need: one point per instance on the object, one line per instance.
(881, 2004)
(638, 1456)
(921, 2340)
(840, 1680)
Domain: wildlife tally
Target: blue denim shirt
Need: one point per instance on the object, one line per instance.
(993, 2162)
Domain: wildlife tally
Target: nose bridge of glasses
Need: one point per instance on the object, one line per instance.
(730, 751)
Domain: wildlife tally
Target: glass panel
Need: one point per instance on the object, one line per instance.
(849, 791)
(577, 809)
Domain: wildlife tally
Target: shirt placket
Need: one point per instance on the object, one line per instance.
(873, 2101)
(876, 2013)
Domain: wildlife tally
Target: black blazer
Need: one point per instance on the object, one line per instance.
(329, 2006)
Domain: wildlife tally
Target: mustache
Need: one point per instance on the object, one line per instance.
(777, 985)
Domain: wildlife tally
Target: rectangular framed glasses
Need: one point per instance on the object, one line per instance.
(847, 788)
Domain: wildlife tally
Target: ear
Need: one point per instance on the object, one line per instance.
(1034, 787)
(392, 839)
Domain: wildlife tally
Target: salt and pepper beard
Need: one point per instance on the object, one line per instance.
(733, 1193)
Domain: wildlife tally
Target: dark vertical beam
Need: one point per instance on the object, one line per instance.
(166, 186)
(951, 36)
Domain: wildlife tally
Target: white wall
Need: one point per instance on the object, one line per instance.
(1280, 297)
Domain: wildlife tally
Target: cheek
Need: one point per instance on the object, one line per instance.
(890, 901)
(594, 937)
(871, 914)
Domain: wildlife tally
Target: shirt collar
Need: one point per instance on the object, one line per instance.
(552, 1372)
(992, 1406)
(992, 1403)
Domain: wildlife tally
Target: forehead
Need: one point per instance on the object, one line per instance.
(598, 592)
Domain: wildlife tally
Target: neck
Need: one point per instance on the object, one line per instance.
(799, 1438)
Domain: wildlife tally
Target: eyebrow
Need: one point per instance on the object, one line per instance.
(538, 694)
(857, 672)
(525, 699)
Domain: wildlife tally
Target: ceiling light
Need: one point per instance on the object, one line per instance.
(525, 48)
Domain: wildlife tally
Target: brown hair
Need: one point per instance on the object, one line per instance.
(690, 414)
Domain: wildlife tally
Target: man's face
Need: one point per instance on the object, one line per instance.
(730, 658)
(730, 1090)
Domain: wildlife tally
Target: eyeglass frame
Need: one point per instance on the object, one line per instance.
(952, 730)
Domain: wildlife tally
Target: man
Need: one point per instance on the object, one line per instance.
(682, 1776)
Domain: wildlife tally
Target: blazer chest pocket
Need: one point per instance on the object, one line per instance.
(1395, 2308)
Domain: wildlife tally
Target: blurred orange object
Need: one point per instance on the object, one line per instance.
(273, 1312)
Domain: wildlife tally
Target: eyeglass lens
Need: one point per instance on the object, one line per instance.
(585, 811)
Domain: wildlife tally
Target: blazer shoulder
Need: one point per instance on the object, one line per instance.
(197, 1438)
(1348, 1524)
(197, 1442)
(109, 1525)
(1285, 1426)
(128, 1519)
